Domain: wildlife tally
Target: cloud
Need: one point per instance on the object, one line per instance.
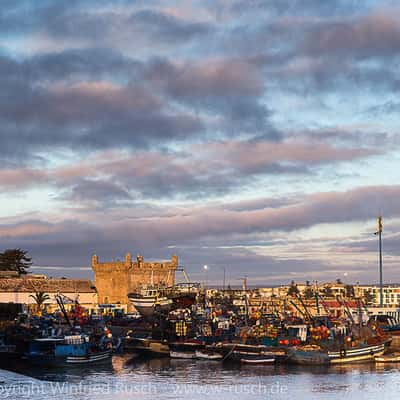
(56, 102)
(159, 126)
(17, 179)
(231, 87)
(91, 115)
(165, 28)
(210, 233)
(371, 35)
(359, 204)
(96, 191)
(112, 178)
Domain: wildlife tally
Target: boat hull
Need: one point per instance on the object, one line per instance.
(390, 358)
(48, 360)
(358, 354)
(147, 306)
(308, 357)
(187, 355)
(208, 355)
(185, 349)
(238, 351)
(149, 347)
(258, 360)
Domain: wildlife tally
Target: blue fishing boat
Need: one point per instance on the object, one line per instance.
(68, 350)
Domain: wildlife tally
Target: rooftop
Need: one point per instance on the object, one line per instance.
(49, 285)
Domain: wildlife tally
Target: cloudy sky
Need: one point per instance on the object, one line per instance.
(259, 136)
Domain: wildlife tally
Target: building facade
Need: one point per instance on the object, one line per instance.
(22, 290)
(115, 279)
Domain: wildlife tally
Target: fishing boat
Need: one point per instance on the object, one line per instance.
(238, 351)
(8, 353)
(258, 359)
(185, 349)
(150, 298)
(68, 350)
(146, 346)
(182, 354)
(387, 323)
(208, 355)
(363, 352)
(388, 358)
(183, 294)
(308, 355)
(315, 355)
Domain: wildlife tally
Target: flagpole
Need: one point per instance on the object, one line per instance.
(380, 262)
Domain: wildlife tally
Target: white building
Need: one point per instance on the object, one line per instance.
(21, 290)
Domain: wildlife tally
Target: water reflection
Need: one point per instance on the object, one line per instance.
(165, 378)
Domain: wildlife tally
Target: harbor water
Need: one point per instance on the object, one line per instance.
(164, 378)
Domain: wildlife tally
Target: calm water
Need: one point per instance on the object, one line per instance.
(185, 379)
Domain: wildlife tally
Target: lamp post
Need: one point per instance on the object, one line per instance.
(205, 267)
(379, 233)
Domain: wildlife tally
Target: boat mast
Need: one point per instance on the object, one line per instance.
(246, 306)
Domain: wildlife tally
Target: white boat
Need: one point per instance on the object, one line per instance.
(149, 299)
(356, 354)
(258, 360)
(208, 355)
(188, 355)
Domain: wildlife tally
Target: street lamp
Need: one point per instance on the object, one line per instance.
(205, 267)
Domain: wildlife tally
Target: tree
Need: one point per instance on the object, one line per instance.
(339, 281)
(40, 298)
(15, 260)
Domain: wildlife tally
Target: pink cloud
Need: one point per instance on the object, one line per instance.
(377, 33)
(22, 178)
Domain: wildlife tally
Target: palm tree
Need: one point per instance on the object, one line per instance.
(15, 260)
(40, 298)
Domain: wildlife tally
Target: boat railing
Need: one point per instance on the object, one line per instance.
(75, 339)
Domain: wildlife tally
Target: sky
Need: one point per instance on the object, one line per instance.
(259, 137)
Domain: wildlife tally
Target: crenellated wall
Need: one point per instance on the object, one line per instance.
(115, 279)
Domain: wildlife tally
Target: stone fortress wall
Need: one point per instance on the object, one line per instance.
(115, 279)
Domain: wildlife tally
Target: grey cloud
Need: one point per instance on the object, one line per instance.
(376, 34)
(218, 221)
(96, 191)
(232, 87)
(192, 233)
(166, 28)
(79, 64)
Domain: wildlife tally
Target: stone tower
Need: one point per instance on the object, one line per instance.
(115, 279)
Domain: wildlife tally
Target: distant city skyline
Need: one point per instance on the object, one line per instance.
(259, 136)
